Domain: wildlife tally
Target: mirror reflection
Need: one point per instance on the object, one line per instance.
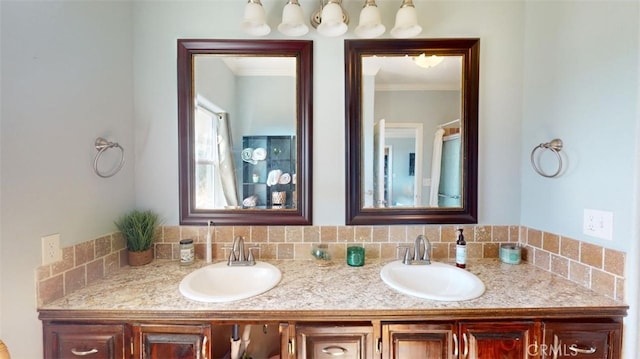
(244, 115)
(244, 140)
(411, 131)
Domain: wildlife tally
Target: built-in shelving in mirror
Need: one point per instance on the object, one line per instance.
(412, 131)
(245, 131)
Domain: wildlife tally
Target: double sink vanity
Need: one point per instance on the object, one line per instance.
(299, 309)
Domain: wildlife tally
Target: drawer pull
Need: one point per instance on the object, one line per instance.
(466, 345)
(335, 350)
(574, 348)
(455, 345)
(80, 353)
(204, 347)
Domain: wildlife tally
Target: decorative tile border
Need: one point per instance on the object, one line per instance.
(588, 265)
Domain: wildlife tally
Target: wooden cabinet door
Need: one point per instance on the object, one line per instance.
(419, 341)
(346, 342)
(582, 340)
(505, 340)
(172, 341)
(84, 341)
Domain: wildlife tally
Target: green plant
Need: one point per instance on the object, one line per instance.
(138, 228)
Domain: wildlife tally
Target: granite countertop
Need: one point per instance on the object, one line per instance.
(307, 288)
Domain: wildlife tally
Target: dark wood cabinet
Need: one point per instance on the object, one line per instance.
(593, 340)
(92, 341)
(344, 341)
(506, 340)
(418, 341)
(156, 341)
(468, 340)
(414, 338)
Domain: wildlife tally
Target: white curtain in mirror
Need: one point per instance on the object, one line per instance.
(436, 163)
(380, 183)
(215, 169)
(450, 194)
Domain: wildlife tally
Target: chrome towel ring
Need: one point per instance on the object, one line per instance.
(554, 146)
(101, 146)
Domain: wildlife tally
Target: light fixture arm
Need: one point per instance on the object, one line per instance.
(370, 3)
(407, 3)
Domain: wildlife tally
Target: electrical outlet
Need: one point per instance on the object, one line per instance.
(598, 224)
(51, 251)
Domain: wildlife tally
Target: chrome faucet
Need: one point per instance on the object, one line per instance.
(237, 257)
(423, 245)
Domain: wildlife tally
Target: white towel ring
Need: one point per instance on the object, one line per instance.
(101, 146)
(554, 146)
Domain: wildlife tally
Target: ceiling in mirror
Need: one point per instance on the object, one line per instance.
(412, 130)
(244, 157)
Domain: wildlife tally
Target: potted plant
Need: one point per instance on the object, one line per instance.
(139, 231)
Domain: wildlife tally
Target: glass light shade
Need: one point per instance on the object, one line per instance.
(331, 23)
(255, 20)
(370, 23)
(428, 61)
(406, 23)
(293, 21)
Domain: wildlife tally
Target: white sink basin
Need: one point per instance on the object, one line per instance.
(219, 282)
(436, 281)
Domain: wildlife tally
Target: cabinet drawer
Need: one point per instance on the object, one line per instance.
(582, 340)
(331, 342)
(84, 341)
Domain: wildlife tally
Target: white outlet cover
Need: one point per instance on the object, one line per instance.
(598, 224)
(51, 251)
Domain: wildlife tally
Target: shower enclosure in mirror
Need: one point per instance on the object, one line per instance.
(244, 112)
(412, 114)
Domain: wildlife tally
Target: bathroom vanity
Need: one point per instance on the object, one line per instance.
(322, 312)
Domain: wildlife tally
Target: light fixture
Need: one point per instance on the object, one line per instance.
(370, 24)
(293, 20)
(255, 19)
(406, 21)
(331, 20)
(428, 61)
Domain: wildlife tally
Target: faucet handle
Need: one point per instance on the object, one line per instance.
(250, 257)
(406, 257)
(232, 256)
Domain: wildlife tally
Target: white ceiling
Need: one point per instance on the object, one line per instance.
(399, 73)
(393, 73)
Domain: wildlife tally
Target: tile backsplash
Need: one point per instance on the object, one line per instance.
(598, 268)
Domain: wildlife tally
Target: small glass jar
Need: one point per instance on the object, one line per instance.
(186, 252)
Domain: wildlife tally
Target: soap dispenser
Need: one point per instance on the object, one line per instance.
(461, 250)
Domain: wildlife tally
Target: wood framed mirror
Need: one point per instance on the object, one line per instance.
(411, 131)
(245, 131)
